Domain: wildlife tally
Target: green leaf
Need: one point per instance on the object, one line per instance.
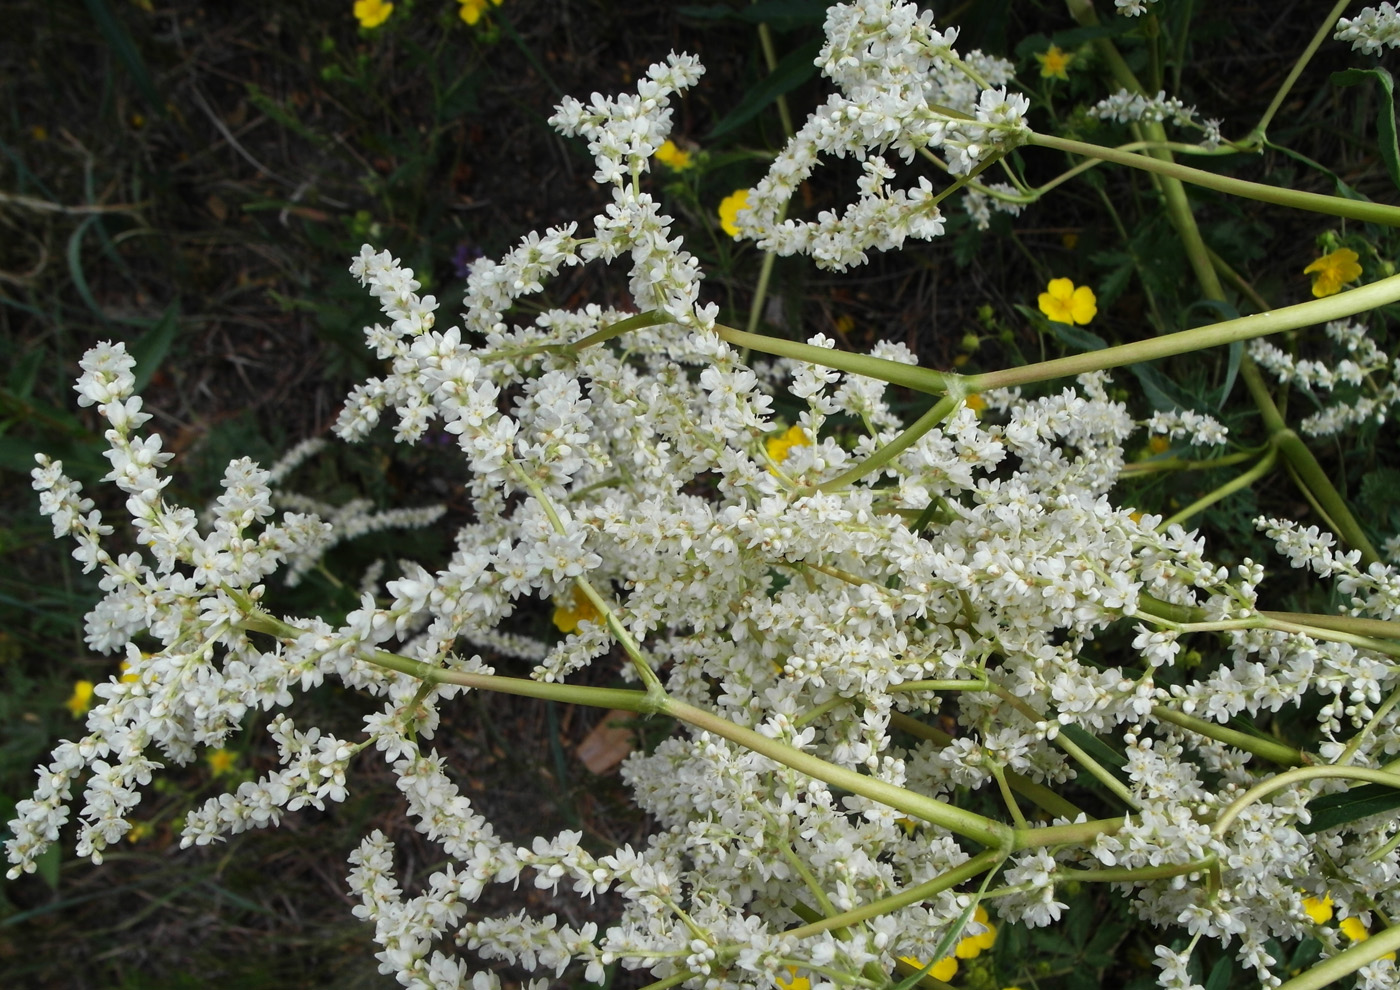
(1220, 974)
(1231, 372)
(1065, 333)
(47, 864)
(1332, 810)
(795, 69)
(120, 41)
(1094, 746)
(1385, 114)
(74, 254)
(150, 350)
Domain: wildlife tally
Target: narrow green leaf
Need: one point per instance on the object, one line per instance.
(1220, 974)
(795, 69)
(1231, 371)
(1065, 333)
(1094, 746)
(152, 347)
(1350, 805)
(117, 36)
(74, 254)
(47, 864)
(1385, 114)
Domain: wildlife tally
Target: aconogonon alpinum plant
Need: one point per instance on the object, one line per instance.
(800, 610)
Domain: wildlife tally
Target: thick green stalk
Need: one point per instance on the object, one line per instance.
(1347, 961)
(1296, 199)
(639, 321)
(1263, 467)
(894, 372)
(975, 866)
(939, 412)
(965, 823)
(1269, 749)
(1257, 136)
(1290, 777)
(1310, 472)
(1027, 788)
(1343, 304)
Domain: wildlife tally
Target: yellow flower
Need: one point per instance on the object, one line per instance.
(372, 13)
(1353, 929)
(1320, 911)
(780, 446)
(1063, 303)
(974, 945)
(1332, 271)
(571, 610)
(1054, 62)
(976, 403)
(945, 969)
(139, 831)
(729, 209)
(220, 761)
(794, 982)
(80, 700)
(673, 158)
(472, 10)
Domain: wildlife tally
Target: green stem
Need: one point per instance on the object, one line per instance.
(965, 823)
(894, 372)
(1373, 296)
(1290, 777)
(1347, 961)
(973, 867)
(939, 412)
(1139, 874)
(1256, 136)
(1075, 833)
(638, 321)
(1275, 752)
(1294, 198)
(1043, 796)
(1263, 467)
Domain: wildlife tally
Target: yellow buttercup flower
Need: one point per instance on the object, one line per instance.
(220, 761)
(571, 609)
(1054, 63)
(778, 447)
(1355, 931)
(945, 969)
(729, 208)
(794, 982)
(1063, 303)
(372, 13)
(1332, 271)
(472, 11)
(1320, 911)
(974, 945)
(80, 700)
(967, 948)
(673, 157)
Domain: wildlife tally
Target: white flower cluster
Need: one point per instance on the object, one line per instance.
(1372, 29)
(1363, 399)
(1204, 431)
(1132, 8)
(904, 89)
(998, 196)
(1127, 107)
(812, 621)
